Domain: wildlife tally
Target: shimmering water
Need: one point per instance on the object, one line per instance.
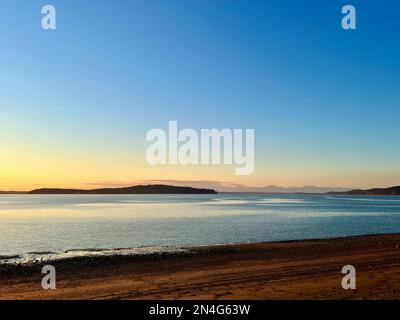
(42, 226)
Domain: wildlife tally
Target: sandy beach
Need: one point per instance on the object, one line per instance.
(282, 270)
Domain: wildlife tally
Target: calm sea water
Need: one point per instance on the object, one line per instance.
(43, 226)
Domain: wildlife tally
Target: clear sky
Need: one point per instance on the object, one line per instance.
(76, 102)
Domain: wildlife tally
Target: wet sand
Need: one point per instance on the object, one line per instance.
(282, 270)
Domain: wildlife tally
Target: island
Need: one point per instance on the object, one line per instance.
(391, 191)
(140, 189)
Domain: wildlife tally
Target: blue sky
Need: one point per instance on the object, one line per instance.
(324, 102)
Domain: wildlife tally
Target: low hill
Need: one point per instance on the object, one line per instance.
(148, 189)
(391, 191)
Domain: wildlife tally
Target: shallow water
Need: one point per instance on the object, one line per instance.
(52, 226)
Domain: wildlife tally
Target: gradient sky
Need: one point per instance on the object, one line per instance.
(76, 103)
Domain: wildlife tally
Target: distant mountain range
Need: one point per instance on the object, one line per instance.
(391, 191)
(147, 189)
(285, 190)
(223, 186)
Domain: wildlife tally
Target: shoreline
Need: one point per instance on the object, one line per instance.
(303, 269)
(98, 255)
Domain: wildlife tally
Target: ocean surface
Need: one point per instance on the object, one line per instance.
(40, 227)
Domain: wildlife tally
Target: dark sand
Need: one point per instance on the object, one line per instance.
(285, 270)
